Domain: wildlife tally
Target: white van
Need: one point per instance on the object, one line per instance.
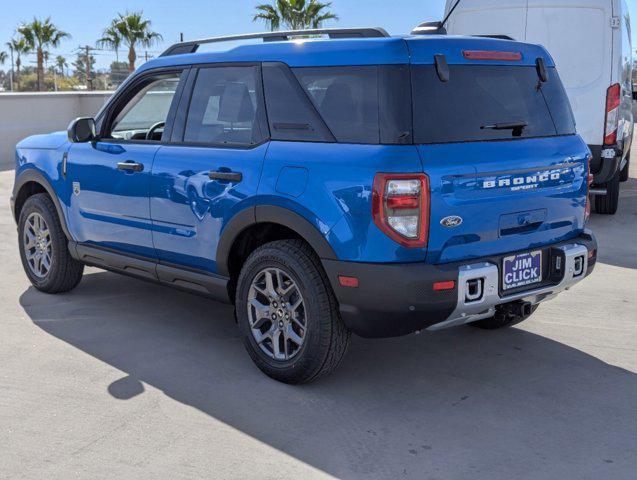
(590, 41)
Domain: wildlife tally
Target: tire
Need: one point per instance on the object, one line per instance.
(294, 268)
(503, 318)
(623, 175)
(607, 204)
(64, 272)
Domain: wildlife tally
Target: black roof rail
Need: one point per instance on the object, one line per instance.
(192, 46)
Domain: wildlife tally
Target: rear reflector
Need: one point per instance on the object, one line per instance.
(492, 55)
(350, 282)
(439, 286)
(612, 114)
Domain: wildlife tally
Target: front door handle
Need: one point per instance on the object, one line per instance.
(130, 166)
(234, 177)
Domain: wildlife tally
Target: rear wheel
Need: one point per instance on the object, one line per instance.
(506, 316)
(44, 247)
(623, 175)
(288, 314)
(607, 204)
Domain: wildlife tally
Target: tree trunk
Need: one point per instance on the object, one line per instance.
(18, 62)
(132, 56)
(40, 70)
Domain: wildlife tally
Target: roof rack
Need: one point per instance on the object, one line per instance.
(192, 46)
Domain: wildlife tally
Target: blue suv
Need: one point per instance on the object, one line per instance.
(355, 183)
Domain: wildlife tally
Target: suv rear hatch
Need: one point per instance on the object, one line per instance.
(507, 171)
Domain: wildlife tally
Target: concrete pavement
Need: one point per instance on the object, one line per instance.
(125, 379)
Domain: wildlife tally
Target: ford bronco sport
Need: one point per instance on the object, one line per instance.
(355, 183)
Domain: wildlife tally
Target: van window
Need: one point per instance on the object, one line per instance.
(487, 103)
(361, 104)
(226, 107)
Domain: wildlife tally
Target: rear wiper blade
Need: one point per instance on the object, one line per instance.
(505, 126)
(517, 127)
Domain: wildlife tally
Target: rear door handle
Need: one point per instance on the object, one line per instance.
(130, 166)
(234, 177)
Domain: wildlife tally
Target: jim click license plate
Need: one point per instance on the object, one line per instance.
(521, 270)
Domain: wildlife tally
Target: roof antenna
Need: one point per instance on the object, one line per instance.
(434, 28)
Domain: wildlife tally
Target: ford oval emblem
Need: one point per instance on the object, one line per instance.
(451, 221)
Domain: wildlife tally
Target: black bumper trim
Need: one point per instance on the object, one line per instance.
(398, 299)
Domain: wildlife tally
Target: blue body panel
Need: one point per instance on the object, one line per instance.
(111, 209)
(173, 212)
(189, 210)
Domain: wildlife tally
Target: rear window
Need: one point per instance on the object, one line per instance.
(481, 103)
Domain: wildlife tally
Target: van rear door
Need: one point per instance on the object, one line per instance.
(579, 36)
(488, 17)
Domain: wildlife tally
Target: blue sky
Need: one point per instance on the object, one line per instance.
(200, 18)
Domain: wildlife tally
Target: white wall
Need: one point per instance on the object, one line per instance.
(24, 114)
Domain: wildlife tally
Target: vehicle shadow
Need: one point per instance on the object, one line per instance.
(456, 404)
(617, 234)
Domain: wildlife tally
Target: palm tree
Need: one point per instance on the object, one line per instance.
(19, 47)
(40, 34)
(294, 14)
(61, 63)
(111, 39)
(133, 31)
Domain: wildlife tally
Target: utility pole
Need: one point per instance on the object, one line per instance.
(181, 36)
(87, 65)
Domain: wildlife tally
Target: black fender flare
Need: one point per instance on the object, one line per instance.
(269, 214)
(31, 175)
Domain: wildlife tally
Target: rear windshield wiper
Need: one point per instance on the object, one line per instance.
(517, 127)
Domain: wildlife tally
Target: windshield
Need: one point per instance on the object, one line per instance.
(481, 103)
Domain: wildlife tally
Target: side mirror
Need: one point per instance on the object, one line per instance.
(81, 130)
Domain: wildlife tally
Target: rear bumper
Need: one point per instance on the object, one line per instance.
(398, 299)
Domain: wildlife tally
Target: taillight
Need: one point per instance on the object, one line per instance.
(589, 182)
(400, 207)
(612, 114)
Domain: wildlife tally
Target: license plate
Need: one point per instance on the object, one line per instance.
(521, 270)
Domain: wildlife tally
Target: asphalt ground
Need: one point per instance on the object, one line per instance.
(125, 379)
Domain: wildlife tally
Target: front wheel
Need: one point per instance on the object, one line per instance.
(288, 314)
(44, 248)
(607, 204)
(623, 175)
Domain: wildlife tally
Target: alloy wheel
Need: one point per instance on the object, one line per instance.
(276, 312)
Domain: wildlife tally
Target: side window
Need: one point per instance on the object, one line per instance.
(290, 113)
(226, 107)
(346, 98)
(144, 116)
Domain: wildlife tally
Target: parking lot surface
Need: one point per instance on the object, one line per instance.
(126, 379)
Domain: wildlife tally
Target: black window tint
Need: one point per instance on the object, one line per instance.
(395, 104)
(346, 98)
(290, 114)
(226, 107)
(558, 103)
(477, 98)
